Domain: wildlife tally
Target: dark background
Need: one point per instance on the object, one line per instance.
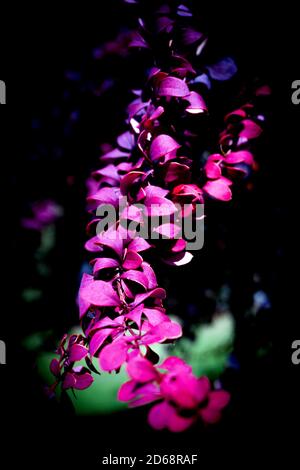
(37, 46)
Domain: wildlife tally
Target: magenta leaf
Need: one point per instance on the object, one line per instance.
(77, 352)
(141, 370)
(98, 339)
(196, 103)
(132, 260)
(242, 156)
(104, 263)
(171, 86)
(83, 381)
(212, 170)
(69, 381)
(55, 368)
(98, 293)
(136, 276)
(113, 355)
(162, 145)
(219, 189)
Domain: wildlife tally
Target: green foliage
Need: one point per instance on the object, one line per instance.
(208, 352)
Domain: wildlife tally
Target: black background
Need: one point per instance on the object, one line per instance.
(36, 45)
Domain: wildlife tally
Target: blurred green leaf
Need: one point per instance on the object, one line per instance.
(208, 353)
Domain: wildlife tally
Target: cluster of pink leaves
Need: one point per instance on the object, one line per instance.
(181, 397)
(121, 303)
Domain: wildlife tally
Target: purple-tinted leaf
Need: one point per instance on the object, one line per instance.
(84, 304)
(251, 130)
(114, 155)
(173, 363)
(223, 70)
(139, 244)
(55, 368)
(83, 381)
(172, 86)
(196, 103)
(110, 171)
(177, 172)
(163, 415)
(162, 145)
(219, 189)
(155, 316)
(218, 399)
(190, 35)
(167, 230)
(135, 107)
(113, 355)
(150, 274)
(77, 352)
(112, 239)
(155, 191)
(92, 245)
(136, 276)
(105, 196)
(98, 293)
(104, 263)
(136, 314)
(203, 78)
(126, 141)
(141, 370)
(158, 293)
(159, 206)
(132, 260)
(212, 170)
(69, 381)
(183, 10)
(167, 330)
(98, 339)
(128, 180)
(242, 156)
(138, 41)
(127, 391)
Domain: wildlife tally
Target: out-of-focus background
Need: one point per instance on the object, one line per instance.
(68, 93)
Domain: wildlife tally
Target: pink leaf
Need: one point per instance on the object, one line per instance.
(171, 86)
(212, 170)
(141, 370)
(104, 263)
(83, 381)
(132, 260)
(159, 206)
(138, 244)
(77, 352)
(243, 156)
(218, 189)
(98, 293)
(113, 355)
(150, 274)
(161, 145)
(126, 140)
(128, 180)
(168, 230)
(196, 103)
(69, 381)
(250, 129)
(55, 368)
(136, 276)
(98, 339)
